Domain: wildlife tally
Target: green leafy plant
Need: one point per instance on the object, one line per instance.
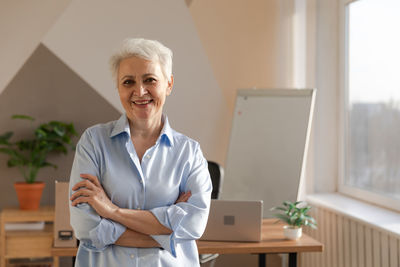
(295, 214)
(30, 155)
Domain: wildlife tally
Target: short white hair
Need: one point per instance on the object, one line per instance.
(143, 48)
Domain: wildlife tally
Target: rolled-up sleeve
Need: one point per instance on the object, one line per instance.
(187, 220)
(94, 232)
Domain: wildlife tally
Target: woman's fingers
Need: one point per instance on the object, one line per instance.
(90, 191)
(187, 195)
(90, 181)
(91, 178)
(80, 193)
(184, 197)
(85, 183)
(80, 200)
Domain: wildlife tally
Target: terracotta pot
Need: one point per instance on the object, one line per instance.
(29, 194)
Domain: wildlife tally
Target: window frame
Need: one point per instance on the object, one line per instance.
(351, 191)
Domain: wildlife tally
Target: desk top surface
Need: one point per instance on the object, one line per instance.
(272, 241)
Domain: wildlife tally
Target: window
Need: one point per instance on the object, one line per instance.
(371, 109)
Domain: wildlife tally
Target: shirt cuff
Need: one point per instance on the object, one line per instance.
(104, 234)
(171, 218)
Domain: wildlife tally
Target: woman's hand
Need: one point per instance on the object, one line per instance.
(184, 197)
(90, 191)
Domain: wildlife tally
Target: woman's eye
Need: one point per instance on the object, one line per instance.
(150, 80)
(128, 82)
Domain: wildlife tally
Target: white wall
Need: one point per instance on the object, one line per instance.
(242, 43)
(315, 65)
(327, 112)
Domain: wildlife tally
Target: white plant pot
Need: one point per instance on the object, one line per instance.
(292, 233)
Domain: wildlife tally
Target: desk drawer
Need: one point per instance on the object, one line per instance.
(29, 244)
(29, 247)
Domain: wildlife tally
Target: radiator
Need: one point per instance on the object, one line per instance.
(350, 243)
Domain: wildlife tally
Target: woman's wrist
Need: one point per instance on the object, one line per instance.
(115, 214)
(132, 238)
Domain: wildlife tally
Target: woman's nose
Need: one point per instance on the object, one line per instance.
(139, 90)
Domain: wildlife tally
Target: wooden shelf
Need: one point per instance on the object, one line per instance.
(17, 244)
(31, 262)
(44, 214)
(63, 252)
(47, 231)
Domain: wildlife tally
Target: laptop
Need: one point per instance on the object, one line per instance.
(232, 220)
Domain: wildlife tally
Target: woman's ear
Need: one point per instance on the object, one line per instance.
(170, 85)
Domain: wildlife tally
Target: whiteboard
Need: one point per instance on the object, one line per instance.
(267, 148)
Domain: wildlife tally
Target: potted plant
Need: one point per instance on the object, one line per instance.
(295, 215)
(30, 155)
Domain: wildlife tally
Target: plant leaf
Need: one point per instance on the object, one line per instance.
(30, 155)
(297, 203)
(59, 130)
(40, 133)
(311, 219)
(282, 218)
(23, 117)
(48, 164)
(5, 137)
(8, 151)
(277, 208)
(15, 162)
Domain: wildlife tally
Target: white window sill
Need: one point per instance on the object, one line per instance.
(374, 216)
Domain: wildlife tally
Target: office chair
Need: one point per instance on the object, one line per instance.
(217, 176)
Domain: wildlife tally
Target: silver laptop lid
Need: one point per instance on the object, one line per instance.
(232, 220)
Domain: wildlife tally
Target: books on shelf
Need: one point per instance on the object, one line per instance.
(24, 226)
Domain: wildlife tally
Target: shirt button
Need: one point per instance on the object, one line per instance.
(132, 256)
(148, 156)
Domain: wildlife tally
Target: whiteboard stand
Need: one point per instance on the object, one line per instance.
(268, 145)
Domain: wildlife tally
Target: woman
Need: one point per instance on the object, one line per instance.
(140, 192)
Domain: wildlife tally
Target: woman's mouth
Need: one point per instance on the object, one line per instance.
(142, 102)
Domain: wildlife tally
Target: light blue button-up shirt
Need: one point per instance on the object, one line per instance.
(173, 165)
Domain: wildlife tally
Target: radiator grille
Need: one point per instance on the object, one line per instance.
(350, 243)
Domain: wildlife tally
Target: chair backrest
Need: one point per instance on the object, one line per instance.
(217, 176)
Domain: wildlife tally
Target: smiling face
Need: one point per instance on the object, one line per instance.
(142, 89)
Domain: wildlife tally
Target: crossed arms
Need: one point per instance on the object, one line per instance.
(140, 224)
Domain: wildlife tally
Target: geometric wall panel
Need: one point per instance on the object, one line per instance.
(46, 89)
(23, 24)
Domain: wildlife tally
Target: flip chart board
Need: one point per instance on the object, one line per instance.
(268, 145)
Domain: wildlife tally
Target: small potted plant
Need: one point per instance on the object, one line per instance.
(30, 155)
(295, 215)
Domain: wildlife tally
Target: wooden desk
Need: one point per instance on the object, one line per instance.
(273, 241)
(26, 244)
(62, 252)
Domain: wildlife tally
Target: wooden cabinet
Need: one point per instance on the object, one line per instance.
(26, 244)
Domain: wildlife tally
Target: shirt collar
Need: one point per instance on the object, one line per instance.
(122, 126)
(167, 131)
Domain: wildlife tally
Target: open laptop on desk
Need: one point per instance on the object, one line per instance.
(232, 220)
